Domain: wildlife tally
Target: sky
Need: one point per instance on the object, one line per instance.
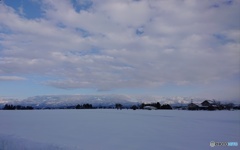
(151, 47)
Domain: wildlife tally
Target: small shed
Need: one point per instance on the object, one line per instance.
(149, 108)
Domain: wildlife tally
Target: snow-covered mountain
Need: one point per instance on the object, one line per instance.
(96, 100)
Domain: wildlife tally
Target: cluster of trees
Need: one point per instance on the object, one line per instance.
(156, 105)
(18, 107)
(84, 106)
(119, 106)
(230, 106)
(143, 106)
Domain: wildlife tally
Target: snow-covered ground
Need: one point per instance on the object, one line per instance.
(117, 129)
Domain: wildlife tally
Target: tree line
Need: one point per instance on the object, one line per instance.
(119, 106)
(90, 106)
(144, 106)
(17, 107)
(84, 106)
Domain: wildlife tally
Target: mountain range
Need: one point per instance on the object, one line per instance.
(57, 101)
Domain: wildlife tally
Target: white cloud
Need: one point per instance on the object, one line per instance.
(127, 13)
(181, 42)
(11, 78)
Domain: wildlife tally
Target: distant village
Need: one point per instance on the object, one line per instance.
(208, 105)
(212, 105)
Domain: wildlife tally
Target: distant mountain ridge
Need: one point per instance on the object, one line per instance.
(56, 101)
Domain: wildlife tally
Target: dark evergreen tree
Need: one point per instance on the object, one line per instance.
(29, 108)
(78, 106)
(9, 107)
(142, 106)
(87, 106)
(134, 107)
(166, 106)
(6, 107)
(118, 106)
(158, 105)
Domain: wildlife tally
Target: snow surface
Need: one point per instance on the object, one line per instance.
(117, 129)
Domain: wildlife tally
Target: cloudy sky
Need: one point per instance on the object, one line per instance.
(152, 47)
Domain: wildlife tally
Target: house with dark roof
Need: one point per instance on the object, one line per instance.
(193, 106)
(206, 103)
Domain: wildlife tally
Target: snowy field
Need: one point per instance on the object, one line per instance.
(117, 129)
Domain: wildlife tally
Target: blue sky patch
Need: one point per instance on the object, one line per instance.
(31, 9)
(80, 5)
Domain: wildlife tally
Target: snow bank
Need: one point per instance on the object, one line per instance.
(117, 129)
